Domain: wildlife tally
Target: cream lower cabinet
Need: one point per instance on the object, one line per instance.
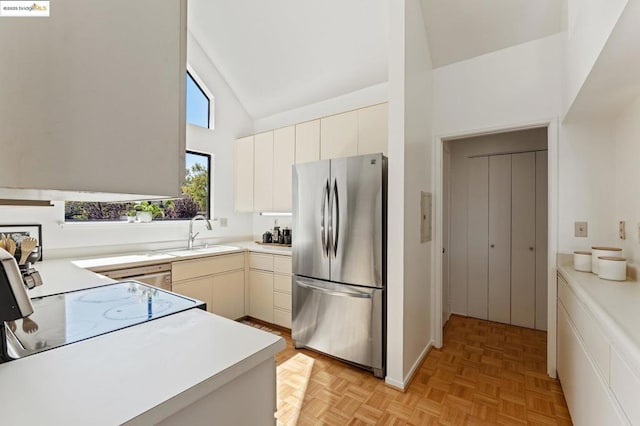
(218, 281)
(585, 366)
(270, 288)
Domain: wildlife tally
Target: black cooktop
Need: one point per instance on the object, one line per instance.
(65, 318)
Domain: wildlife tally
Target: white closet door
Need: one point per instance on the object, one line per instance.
(478, 236)
(523, 239)
(541, 240)
(500, 238)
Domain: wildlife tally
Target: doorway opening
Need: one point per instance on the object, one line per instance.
(495, 228)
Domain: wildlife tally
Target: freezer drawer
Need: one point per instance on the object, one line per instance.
(340, 320)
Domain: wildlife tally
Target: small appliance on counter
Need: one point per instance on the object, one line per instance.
(14, 302)
(277, 237)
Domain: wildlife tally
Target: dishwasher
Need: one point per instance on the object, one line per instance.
(155, 275)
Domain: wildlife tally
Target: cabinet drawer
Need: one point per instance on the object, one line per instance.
(261, 261)
(282, 318)
(282, 300)
(282, 283)
(594, 339)
(282, 264)
(188, 269)
(626, 387)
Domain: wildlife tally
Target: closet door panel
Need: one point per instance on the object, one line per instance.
(541, 240)
(478, 236)
(523, 239)
(500, 238)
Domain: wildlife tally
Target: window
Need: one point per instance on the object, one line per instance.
(196, 189)
(198, 104)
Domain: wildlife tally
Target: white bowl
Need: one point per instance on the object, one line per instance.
(582, 261)
(612, 268)
(598, 251)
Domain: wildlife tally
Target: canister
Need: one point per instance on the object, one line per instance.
(597, 251)
(612, 268)
(582, 261)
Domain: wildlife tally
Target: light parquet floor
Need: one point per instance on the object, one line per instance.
(485, 374)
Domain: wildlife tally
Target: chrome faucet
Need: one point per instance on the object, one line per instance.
(193, 236)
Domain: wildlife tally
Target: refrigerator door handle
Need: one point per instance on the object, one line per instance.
(323, 219)
(356, 294)
(335, 216)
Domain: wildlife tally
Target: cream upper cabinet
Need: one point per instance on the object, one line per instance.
(339, 135)
(263, 169)
(243, 176)
(308, 141)
(91, 96)
(284, 141)
(373, 129)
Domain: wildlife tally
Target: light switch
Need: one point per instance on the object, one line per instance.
(425, 216)
(581, 229)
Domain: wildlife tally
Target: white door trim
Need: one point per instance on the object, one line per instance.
(552, 148)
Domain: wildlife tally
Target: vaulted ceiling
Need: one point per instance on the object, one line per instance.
(278, 55)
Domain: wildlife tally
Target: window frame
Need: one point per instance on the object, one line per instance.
(209, 188)
(207, 94)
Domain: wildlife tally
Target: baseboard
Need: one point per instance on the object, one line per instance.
(403, 385)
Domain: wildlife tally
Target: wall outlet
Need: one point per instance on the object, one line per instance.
(223, 222)
(621, 230)
(581, 229)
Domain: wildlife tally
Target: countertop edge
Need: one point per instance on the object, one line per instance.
(200, 390)
(618, 338)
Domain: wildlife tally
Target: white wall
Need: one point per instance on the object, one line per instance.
(409, 261)
(87, 238)
(587, 164)
(515, 85)
(461, 150)
(590, 23)
(627, 178)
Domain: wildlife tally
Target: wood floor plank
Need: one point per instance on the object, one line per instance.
(485, 374)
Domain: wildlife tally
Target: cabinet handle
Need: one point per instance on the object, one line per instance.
(492, 245)
(531, 248)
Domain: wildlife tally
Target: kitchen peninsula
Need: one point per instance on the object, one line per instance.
(187, 368)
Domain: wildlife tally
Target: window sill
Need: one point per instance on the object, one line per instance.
(124, 224)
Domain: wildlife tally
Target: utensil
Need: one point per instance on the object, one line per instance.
(11, 246)
(26, 247)
(3, 242)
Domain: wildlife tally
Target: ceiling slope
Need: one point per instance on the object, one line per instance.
(278, 55)
(463, 29)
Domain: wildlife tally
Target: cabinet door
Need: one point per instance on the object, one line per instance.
(263, 168)
(283, 155)
(478, 236)
(373, 129)
(228, 295)
(261, 295)
(308, 141)
(588, 398)
(200, 289)
(94, 94)
(243, 175)
(523, 239)
(541, 240)
(339, 135)
(500, 238)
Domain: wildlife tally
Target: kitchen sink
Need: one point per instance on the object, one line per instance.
(199, 251)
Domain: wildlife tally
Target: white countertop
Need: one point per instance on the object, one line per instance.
(616, 305)
(129, 260)
(261, 248)
(139, 372)
(142, 370)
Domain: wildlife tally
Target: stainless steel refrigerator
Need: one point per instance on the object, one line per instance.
(339, 258)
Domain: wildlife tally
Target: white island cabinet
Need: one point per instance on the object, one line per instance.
(190, 368)
(93, 100)
(598, 347)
